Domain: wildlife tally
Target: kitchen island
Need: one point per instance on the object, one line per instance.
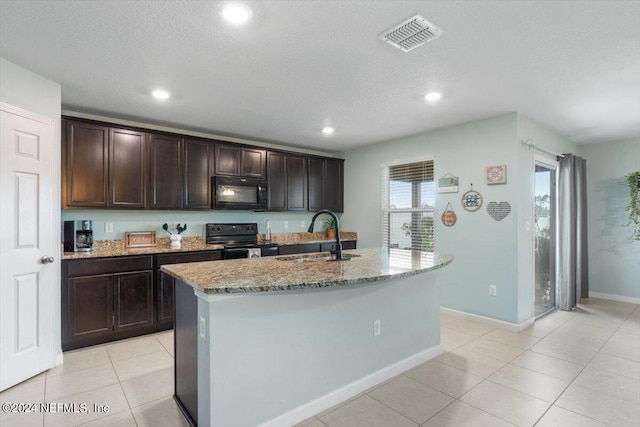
(272, 341)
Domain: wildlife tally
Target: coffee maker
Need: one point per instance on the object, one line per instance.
(78, 236)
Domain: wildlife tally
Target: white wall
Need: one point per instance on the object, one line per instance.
(24, 89)
(485, 251)
(614, 260)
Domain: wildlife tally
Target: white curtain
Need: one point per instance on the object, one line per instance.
(573, 269)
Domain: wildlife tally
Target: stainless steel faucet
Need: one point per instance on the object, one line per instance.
(338, 243)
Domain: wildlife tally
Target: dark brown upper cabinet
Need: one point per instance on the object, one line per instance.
(127, 169)
(165, 181)
(233, 160)
(326, 182)
(198, 170)
(334, 185)
(85, 166)
(287, 176)
(103, 167)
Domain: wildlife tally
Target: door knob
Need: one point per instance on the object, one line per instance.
(46, 259)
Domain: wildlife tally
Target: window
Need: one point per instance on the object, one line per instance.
(408, 199)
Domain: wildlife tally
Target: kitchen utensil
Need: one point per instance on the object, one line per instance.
(165, 226)
(181, 229)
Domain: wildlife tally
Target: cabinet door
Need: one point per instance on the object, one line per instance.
(316, 184)
(90, 307)
(334, 184)
(86, 152)
(133, 300)
(296, 171)
(166, 172)
(198, 169)
(253, 163)
(165, 288)
(228, 160)
(127, 169)
(277, 178)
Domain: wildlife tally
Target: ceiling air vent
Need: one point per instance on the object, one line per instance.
(411, 33)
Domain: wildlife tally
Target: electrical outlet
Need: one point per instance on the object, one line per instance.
(286, 224)
(493, 290)
(303, 224)
(376, 328)
(108, 227)
(203, 328)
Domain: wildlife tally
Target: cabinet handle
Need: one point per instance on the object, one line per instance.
(46, 259)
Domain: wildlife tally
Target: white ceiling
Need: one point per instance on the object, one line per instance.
(573, 66)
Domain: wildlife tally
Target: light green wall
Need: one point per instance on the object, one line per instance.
(124, 221)
(485, 251)
(614, 261)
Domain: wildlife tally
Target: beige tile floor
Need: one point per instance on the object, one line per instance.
(570, 369)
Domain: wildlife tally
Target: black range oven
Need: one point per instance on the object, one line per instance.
(240, 240)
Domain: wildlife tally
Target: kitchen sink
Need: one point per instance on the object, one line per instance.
(315, 257)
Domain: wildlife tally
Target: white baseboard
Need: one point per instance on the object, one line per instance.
(341, 394)
(613, 297)
(514, 327)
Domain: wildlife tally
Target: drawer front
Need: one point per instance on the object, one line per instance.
(90, 267)
(188, 257)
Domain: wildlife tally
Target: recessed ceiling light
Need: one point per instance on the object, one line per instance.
(433, 96)
(160, 94)
(235, 13)
(327, 130)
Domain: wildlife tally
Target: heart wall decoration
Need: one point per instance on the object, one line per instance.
(498, 211)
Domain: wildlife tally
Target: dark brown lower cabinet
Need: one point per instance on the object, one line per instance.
(90, 313)
(166, 283)
(107, 299)
(133, 305)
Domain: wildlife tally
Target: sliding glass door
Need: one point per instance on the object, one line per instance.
(545, 236)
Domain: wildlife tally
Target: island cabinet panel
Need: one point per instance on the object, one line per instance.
(86, 165)
(166, 172)
(197, 173)
(133, 305)
(186, 351)
(127, 169)
(235, 160)
(326, 183)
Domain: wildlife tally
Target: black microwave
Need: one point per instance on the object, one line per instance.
(239, 193)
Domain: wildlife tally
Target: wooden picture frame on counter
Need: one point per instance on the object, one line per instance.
(139, 239)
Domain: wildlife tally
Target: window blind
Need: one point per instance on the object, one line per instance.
(408, 200)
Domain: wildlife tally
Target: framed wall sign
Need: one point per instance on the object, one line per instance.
(471, 200)
(448, 184)
(496, 174)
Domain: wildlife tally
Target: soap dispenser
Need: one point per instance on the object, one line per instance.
(267, 234)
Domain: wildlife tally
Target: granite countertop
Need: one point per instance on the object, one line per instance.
(285, 273)
(115, 248)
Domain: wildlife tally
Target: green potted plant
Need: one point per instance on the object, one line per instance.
(330, 225)
(632, 180)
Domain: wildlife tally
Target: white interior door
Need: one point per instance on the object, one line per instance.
(29, 252)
